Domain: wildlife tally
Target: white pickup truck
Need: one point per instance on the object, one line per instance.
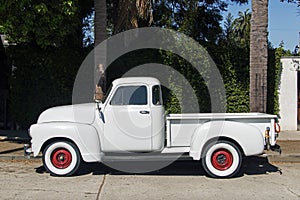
(132, 120)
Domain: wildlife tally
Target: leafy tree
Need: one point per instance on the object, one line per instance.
(201, 20)
(47, 50)
(40, 22)
(291, 1)
(274, 74)
(232, 58)
(242, 27)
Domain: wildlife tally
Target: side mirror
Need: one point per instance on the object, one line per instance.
(98, 101)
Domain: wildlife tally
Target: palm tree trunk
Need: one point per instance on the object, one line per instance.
(100, 21)
(258, 56)
(100, 24)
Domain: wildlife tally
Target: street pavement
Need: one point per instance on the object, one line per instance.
(270, 176)
(181, 180)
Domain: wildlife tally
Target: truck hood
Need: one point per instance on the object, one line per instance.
(80, 113)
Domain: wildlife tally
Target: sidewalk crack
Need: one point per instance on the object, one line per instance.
(101, 186)
(292, 192)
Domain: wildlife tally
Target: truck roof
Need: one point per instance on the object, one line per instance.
(130, 80)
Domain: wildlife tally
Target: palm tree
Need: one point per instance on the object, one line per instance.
(242, 25)
(133, 14)
(100, 21)
(100, 24)
(258, 56)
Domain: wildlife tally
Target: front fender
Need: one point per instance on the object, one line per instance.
(247, 136)
(84, 136)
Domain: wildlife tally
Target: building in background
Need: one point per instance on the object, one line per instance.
(289, 93)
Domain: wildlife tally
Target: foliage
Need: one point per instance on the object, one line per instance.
(201, 21)
(180, 99)
(237, 94)
(232, 59)
(41, 22)
(274, 74)
(49, 49)
(46, 50)
(291, 1)
(43, 80)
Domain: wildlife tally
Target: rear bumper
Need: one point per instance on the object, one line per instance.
(276, 148)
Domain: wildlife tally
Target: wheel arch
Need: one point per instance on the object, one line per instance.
(223, 138)
(58, 139)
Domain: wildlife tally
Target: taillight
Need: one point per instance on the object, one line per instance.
(276, 127)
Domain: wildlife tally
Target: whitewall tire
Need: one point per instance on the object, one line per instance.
(221, 159)
(61, 158)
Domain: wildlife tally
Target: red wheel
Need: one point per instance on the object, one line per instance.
(61, 158)
(222, 159)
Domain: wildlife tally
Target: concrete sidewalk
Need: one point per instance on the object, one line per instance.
(12, 146)
(289, 135)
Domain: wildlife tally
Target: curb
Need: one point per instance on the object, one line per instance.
(20, 158)
(284, 158)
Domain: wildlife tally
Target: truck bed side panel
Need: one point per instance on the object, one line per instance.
(248, 136)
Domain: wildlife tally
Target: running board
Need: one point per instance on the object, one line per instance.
(145, 157)
(179, 150)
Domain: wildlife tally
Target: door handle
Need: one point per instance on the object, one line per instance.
(144, 112)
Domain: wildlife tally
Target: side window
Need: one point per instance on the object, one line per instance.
(130, 95)
(156, 100)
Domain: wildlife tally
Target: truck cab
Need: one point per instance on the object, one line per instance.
(132, 116)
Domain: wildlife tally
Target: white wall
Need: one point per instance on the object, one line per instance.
(288, 93)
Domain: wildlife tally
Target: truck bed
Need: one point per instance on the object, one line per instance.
(181, 127)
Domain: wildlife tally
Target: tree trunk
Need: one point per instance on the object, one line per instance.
(100, 24)
(258, 56)
(100, 21)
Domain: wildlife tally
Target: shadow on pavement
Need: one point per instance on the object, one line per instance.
(254, 165)
(251, 166)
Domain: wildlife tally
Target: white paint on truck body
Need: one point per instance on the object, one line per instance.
(136, 123)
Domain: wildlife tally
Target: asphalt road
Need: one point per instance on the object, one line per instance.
(181, 180)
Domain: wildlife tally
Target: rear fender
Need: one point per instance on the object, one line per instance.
(247, 136)
(84, 136)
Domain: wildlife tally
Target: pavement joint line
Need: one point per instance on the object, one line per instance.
(101, 186)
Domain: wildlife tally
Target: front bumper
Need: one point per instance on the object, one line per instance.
(27, 150)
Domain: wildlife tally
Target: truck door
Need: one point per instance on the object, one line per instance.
(127, 125)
